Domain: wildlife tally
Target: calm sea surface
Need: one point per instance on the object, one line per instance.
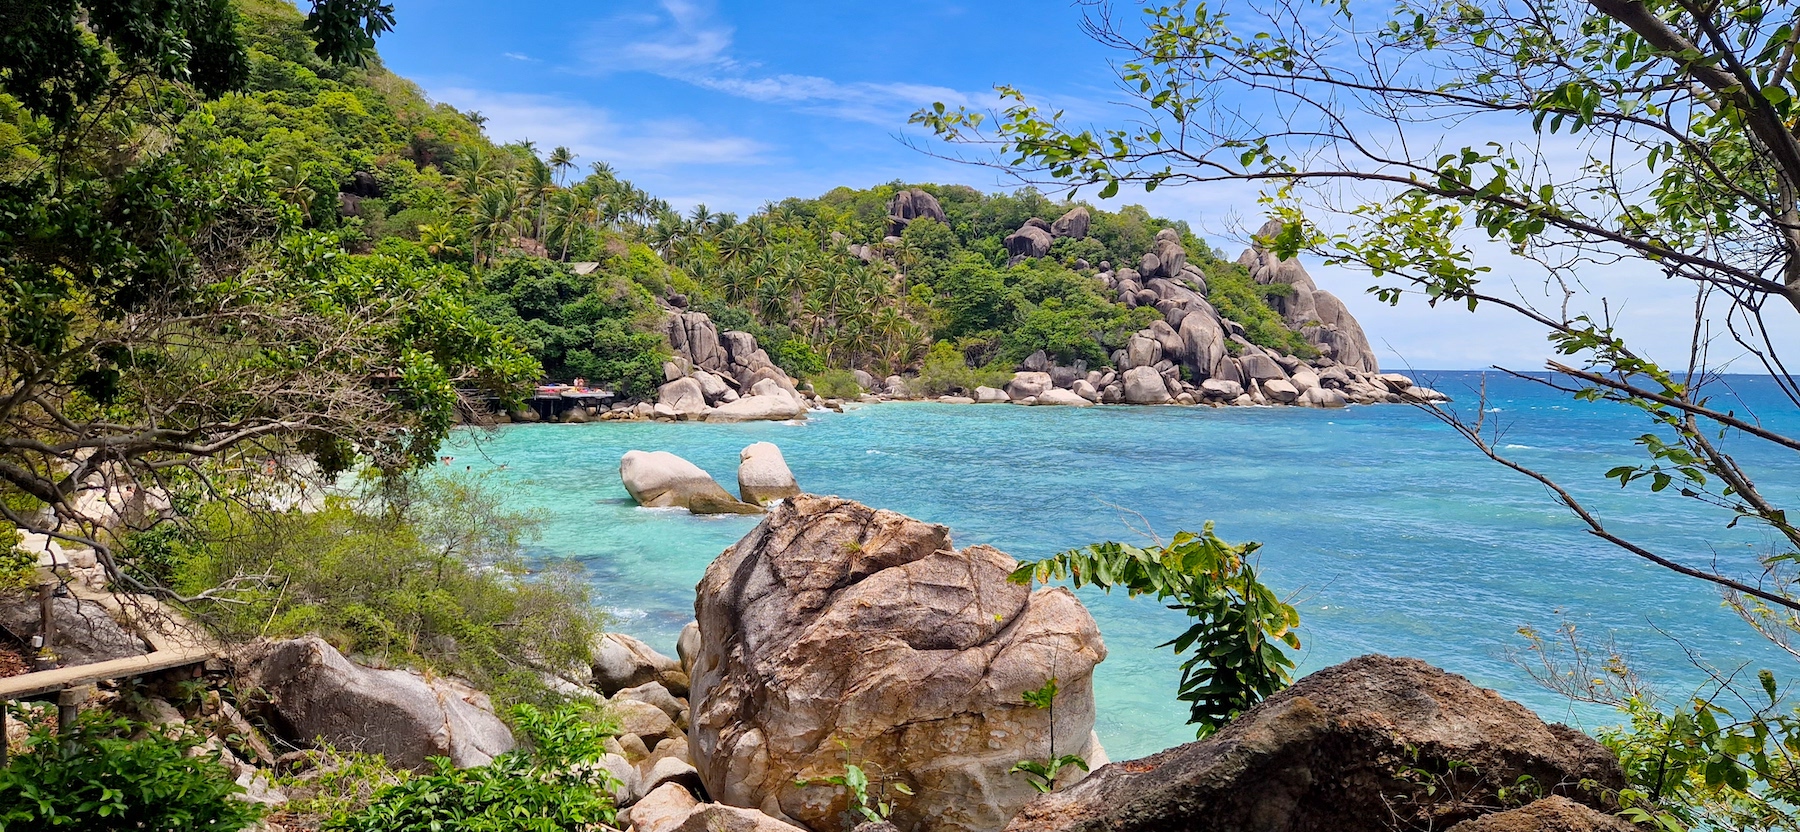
(1394, 535)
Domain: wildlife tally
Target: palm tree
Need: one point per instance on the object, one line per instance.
(666, 235)
(561, 160)
(291, 183)
(475, 171)
(439, 240)
(603, 172)
(540, 183)
(760, 228)
(491, 216)
(701, 219)
(568, 216)
(734, 246)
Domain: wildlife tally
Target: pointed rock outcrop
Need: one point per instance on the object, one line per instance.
(1316, 314)
(838, 633)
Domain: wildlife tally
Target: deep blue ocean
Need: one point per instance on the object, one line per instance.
(1391, 532)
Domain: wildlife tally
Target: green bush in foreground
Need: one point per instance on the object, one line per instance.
(552, 785)
(100, 777)
(1239, 623)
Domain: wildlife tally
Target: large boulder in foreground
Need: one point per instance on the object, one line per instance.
(1375, 743)
(659, 479)
(834, 632)
(315, 695)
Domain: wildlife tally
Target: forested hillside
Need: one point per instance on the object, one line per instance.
(578, 265)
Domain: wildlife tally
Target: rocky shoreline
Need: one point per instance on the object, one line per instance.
(1191, 356)
(835, 636)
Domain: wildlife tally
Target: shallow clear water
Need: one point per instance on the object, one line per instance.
(1394, 534)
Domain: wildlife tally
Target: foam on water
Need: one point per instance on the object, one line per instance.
(1393, 534)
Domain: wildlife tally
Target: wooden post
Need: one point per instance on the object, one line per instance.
(46, 657)
(68, 706)
(3, 742)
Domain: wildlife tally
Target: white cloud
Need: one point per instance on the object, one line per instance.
(883, 104)
(518, 57)
(674, 35)
(594, 133)
(684, 40)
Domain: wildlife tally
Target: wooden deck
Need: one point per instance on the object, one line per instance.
(49, 681)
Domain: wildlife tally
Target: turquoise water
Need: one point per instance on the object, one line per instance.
(1394, 534)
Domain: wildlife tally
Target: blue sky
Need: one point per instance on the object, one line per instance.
(733, 104)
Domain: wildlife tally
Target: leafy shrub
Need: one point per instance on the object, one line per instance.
(340, 783)
(553, 784)
(100, 777)
(428, 574)
(1231, 291)
(836, 384)
(18, 568)
(1239, 622)
(630, 361)
(796, 357)
(155, 553)
(974, 298)
(946, 371)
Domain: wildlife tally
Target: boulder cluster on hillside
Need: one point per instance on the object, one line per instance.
(1192, 355)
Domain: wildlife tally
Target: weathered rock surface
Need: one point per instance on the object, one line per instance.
(1221, 389)
(1281, 390)
(620, 662)
(84, 632)
(1073, 224)
(1063, 398)
(662, 810)
(1327, 754)
(659, 479)
(1551, 814)
(314, 694)
(1029, 241)
(768, 407)
(1143, 385)
(1316, 314)
(1027, 384)
(714, 817)
(732, 355)
(684, 396)
(642, 719)
(653, 693)
(991, 395)
(763, 474)
(834, 625)
(909, 205)
(693, 336)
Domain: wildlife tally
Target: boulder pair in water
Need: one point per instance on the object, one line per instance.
(659, 479)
